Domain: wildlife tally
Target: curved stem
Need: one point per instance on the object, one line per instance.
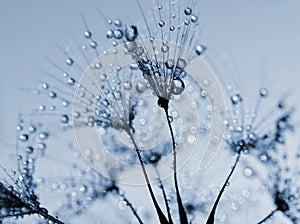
(182, 213)
(211, 217)
(161, 216)
(268, 216)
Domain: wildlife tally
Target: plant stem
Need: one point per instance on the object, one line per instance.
(182, 213)
(128, 203)
(45, 214)
(161, 216)
(268, 216)
(211, 217)
(164, 196)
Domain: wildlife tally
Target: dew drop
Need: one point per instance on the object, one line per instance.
(43, 135)
(23, 137)
(19, 128)
(87, 34)
(127, 85)
(170, 118)
(71, 81)
(29, 150)
(140, 87)
(172, 28)
(64, 119)
(263, 92)
(69, 61)
(109, 34)
(177, 86)
(188, 11)
(161, 23)
(165, 48)
(117, 95)
(118, 34)
(32, 129)
(130, 46)
(194, 19)
(169, 63)
(181, 63)
(93, 44)
(131, 33)
(200, 49)
(247, 172)
(45, 85)
(52, 94)
(118, 23)
(139, 51)
(133, 66)
(235, 99)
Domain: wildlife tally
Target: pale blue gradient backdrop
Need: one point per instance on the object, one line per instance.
(255, 37)
(251, 39)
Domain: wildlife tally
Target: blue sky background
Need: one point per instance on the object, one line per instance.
(252, 38)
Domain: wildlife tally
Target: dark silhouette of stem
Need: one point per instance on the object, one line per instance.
(45, 214)
(211, 218)
(268, 216)
(165, 197)
(129, 204)
(161, 216)
(182, 214)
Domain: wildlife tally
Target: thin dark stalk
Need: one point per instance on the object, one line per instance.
(182, 213)
(165, 197)
(268, 216)
(129, 204)
(45, 214)
(161, 216)
(211, 218)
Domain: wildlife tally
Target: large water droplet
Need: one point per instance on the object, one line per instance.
(131, 33)
(188, 11)
(177, 86)
(181, 63)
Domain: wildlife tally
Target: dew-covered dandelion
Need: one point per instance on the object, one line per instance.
(148, 116)
(18, 196)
